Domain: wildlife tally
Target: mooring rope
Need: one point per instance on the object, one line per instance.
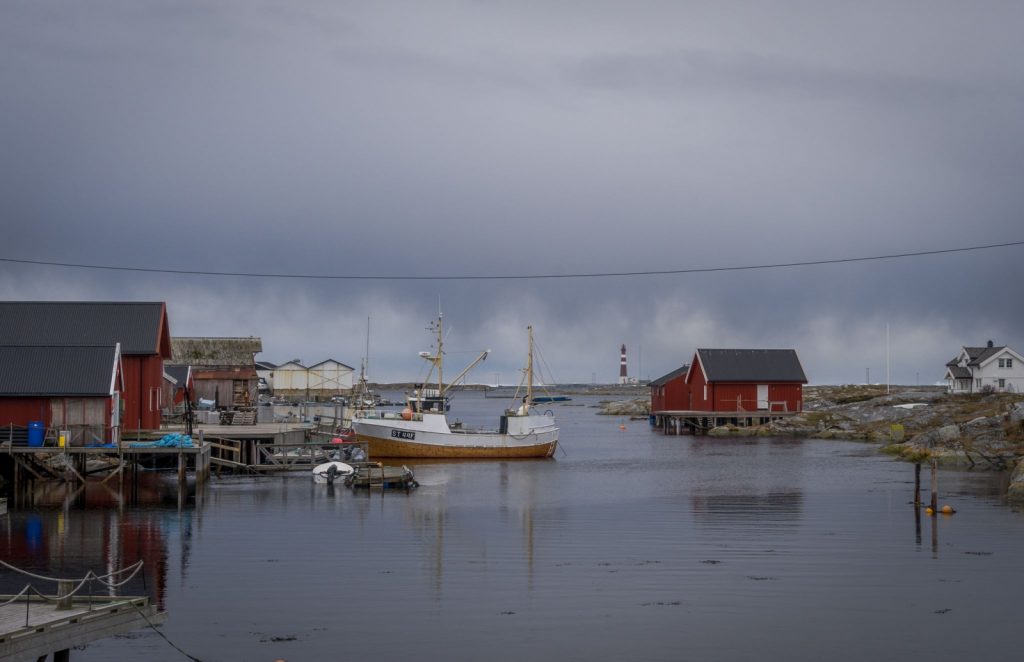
(164, 636)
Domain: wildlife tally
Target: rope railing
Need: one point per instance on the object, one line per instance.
(106, 580)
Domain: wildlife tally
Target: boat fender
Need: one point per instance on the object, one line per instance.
(406, 414)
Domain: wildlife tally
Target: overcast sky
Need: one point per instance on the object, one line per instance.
(526, 138)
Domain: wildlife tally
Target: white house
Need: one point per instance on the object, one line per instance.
(986, 368)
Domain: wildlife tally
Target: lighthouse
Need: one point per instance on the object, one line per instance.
(623, 378)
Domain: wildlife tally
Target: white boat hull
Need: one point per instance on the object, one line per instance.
(342, 470)
(428, 436)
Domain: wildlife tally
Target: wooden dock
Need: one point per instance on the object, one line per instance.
(699, 422)
(258, 448)
(32, 628)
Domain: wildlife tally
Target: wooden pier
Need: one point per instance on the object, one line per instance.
(699, 422)
(31, 628)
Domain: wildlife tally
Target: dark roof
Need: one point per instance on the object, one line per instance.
(265, 365)
(959, 373)
(978, 355)
(215, 352)
(178, 372)
(57, 371)
(136, 326)
(751, 365)
(665, 379)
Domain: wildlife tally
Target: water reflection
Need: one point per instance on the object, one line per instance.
(70, 529)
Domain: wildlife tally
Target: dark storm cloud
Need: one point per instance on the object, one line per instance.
(463, 138)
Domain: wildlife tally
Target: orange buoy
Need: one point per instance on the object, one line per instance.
(622, 426)
(947, 510)
(406, 414)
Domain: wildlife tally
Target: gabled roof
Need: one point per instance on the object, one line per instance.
(956, 372)
(140, 328)
(215, 352)
(315, 365)
(288, 366)
(751, 365)
(675, 374)
(58, 371)
(978, 355)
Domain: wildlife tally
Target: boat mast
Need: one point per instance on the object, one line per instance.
(440, 353)
(529, 368)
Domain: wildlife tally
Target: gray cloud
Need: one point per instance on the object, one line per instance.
(507, 139)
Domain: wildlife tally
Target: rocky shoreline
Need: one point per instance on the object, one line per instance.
(983, 431)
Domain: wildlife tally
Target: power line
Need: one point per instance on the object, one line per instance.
(606, 274)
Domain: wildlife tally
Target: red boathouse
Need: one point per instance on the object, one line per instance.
(728, 386)
(742, 380)
(141, 330)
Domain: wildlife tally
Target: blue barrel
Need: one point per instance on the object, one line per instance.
(36, 433)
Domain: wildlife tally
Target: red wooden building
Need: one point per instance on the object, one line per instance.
(72, 389)
(670, 392)
(141, 330)
(745, 380)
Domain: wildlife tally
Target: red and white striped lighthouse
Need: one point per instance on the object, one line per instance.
(623, 378)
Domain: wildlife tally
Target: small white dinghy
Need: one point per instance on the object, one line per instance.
(328, 472)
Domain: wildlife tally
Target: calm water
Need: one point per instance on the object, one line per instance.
(627, 546)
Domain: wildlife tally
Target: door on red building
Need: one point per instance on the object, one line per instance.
(762, 396)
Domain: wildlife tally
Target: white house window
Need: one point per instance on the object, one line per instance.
(1002, 383)
(1009, 363)
(977, 382)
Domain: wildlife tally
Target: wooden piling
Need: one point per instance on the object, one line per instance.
(917, 484)
(935, 487)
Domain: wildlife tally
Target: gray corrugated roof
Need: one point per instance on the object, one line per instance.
(77, 323)
(665, 379)
(215, 352)
(56, 371)
(752, 365)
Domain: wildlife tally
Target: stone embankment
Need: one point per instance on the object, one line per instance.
(914, 423)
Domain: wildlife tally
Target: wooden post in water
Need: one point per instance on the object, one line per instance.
(917, 484)
(935, 487)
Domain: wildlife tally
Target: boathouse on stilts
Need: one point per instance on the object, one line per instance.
(742, 387)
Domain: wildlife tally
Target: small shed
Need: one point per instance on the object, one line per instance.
(670, 392)
(223, 369)
(329, 378)
(743, 380)
(316, 382)
(72, 388)
(291, 379)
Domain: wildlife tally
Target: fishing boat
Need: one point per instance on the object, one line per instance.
(422, 430)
